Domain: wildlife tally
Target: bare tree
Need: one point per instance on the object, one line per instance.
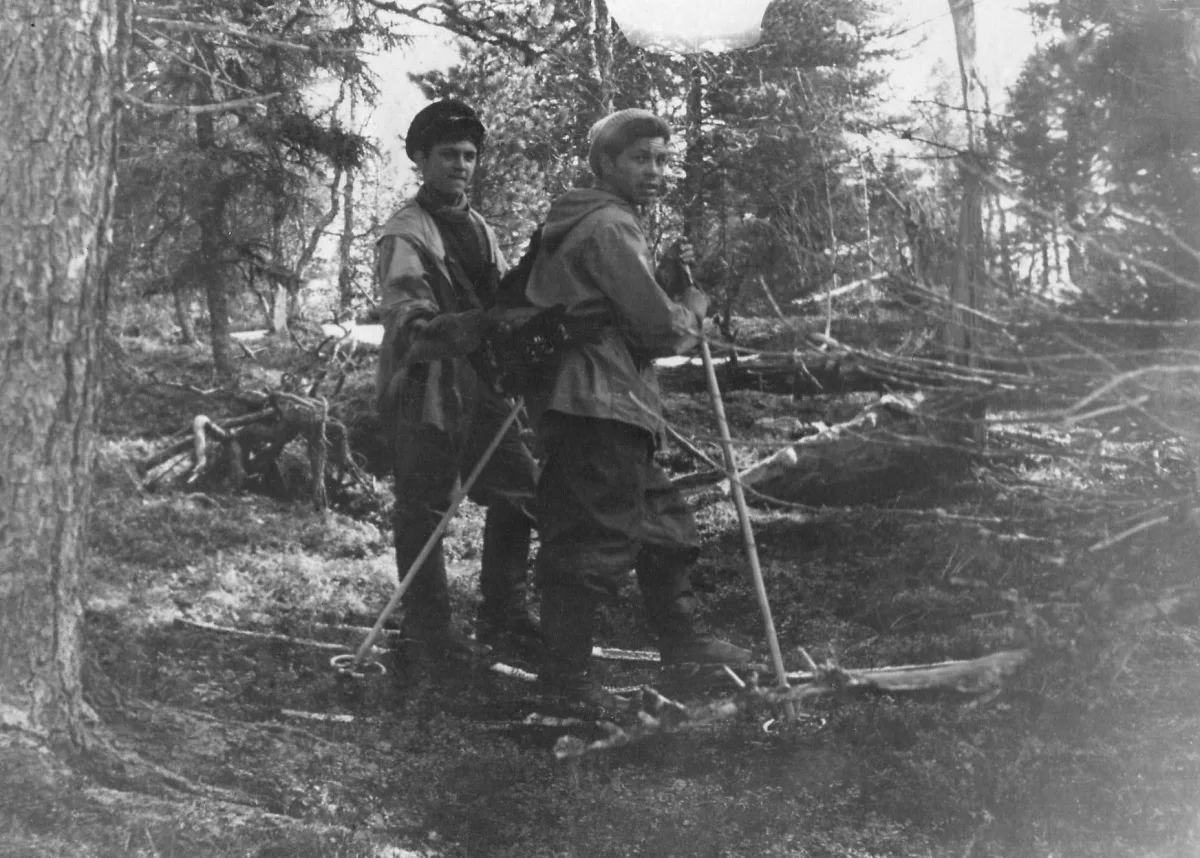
(63, 66)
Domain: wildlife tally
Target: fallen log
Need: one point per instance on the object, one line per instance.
(827, 366)
(805, 374)
(896, 443)
(658, 714)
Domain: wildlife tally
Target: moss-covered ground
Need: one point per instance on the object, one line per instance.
(1092, 750)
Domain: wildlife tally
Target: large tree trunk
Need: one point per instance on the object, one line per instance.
(963, 341)
(966, 284)
(63, 63)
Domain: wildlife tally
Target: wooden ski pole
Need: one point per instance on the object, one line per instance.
(406, 581)
(739, 500)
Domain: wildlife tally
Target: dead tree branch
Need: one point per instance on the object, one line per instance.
(658, 714)
(253, 442)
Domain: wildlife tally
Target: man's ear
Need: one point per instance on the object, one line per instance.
(420, 159)
(607, 165)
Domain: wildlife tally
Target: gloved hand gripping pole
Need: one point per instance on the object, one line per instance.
(343, 663)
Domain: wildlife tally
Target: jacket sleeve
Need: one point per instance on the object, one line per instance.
(407, 298)
(653, 324)
(497, 257)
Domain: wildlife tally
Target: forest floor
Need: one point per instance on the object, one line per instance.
(1091, 750)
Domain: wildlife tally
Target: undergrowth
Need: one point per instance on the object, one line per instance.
(1089, 751)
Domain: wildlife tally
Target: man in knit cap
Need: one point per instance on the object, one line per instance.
(603, 504)
(438, 265)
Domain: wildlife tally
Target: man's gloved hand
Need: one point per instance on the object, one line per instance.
(674, 269)
(696, 301)
(463, 332)
(449, 335)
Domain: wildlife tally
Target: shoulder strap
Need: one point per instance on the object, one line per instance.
(510, 294)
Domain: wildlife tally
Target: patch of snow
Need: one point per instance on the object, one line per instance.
(682, 360)
(370, 335)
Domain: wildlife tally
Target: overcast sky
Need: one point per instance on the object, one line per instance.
(1004, 40)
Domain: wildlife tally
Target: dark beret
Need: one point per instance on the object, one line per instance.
(445, 121)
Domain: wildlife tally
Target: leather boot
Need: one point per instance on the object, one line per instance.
(504, 621)
(702, 649)
(427, 617)
(568, 618)
(671, 611)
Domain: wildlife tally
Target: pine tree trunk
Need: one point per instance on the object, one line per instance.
(693, 159)
(64, 60)
(602, 36)
(217, 295)
(597, 60)
(279, 309)
(346, 245)
(210, 218)
(183, 316)
(1007, 273)
(346, 242)
(1075, 178)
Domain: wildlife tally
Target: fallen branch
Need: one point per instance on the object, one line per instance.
(201, 428)
(253, 442)
(762, 282)
(327, 717)
(895, 444)
(268, 636)
(841, 290)
(1128, 532)
(658, 714)
(184, 445)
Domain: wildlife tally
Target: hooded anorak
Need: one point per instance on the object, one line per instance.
(418, 281)
(596, 261)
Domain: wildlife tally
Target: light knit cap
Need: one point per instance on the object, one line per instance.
(612, 126)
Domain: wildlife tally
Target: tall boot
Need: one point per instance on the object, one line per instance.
(504, 619)
(426, 602)
(568, 620)
(671, 610)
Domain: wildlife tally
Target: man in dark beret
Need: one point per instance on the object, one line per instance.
(438, 266)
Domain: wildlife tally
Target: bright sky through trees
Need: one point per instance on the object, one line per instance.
(926, 43)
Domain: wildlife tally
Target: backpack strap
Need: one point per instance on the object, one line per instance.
(510, 293)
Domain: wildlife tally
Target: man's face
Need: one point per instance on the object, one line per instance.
(448, 168)
(637, 173)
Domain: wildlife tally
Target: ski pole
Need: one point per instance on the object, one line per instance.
(739, 501)
(406, 581)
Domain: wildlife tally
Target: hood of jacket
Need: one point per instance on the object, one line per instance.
(573, 207)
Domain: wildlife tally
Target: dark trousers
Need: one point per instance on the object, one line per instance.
(604, 507)
(429, 465)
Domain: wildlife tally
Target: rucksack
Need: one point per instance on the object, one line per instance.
(523, 347)
(510, 294)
